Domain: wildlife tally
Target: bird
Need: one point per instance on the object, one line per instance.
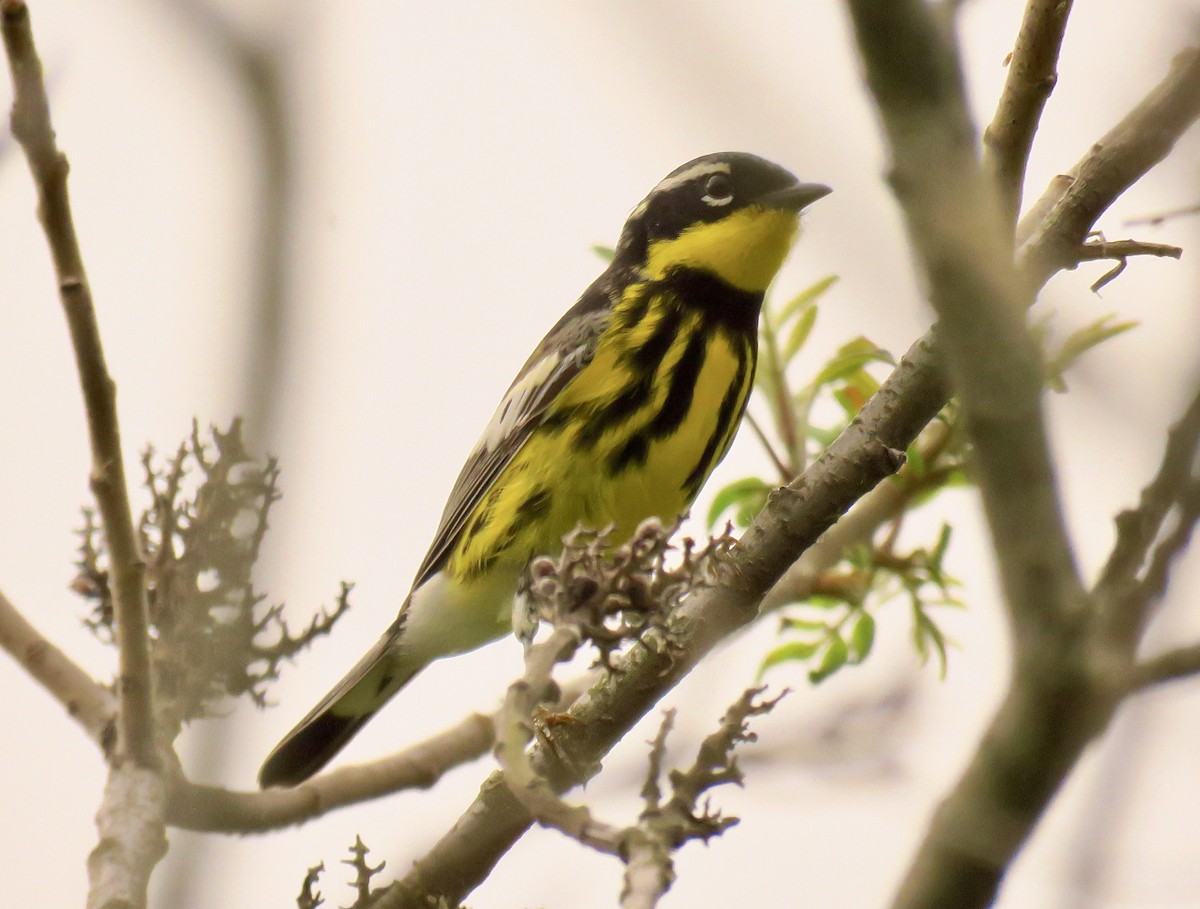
(619, 414)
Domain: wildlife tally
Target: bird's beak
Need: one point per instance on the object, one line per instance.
(797, 197)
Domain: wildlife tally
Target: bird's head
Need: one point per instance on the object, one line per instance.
(731, 214)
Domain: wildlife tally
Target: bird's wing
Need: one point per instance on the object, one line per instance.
(561, 356)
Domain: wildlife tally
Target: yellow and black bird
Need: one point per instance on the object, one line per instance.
(620, 414)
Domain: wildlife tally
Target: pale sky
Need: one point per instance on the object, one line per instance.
(454, 164)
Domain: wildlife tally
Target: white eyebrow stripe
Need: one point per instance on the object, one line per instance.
(700, 170)
(670, 183)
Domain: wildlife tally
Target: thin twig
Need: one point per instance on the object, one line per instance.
(1120, 598)
(779, 394)
(1121, 250)
(1170, 666)
(32, 129)
(785, 473)
(1031, 78)
(86, 701)
(1158, 570)
(1155, 220)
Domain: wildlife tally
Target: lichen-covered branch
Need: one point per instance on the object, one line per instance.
(132, 838)
(33, 131)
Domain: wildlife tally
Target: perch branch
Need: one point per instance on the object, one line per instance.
(33, 131)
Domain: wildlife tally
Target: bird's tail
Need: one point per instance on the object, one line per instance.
(340, 714)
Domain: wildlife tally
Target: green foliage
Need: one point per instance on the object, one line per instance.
(836, 628)
(745, 497)
(1079, 342)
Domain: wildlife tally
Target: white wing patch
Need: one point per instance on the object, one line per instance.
(515, 407)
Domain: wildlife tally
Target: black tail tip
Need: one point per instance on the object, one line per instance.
(307, 749)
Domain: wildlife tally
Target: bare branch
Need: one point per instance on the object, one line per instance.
(192, 806)
(1154, 583)
(1170, 666)
(32, 129)
(649, 845)
(1094, 250)
(1031, 78)
(993, 362)
(1144, 137)
(1122, 600)
(259, 66)
(210, 808)
(87, 702)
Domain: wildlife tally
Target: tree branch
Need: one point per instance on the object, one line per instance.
(86, 701)
(1056, 703)
(958, 237)
(212, 809)
(33, 131)
(1122, 600)
(1170, 666)
(1074, 202)
(1031, 78)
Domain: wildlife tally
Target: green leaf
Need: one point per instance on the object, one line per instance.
(834, 658)
(799, 334)
(858, 388)
(824, 601)
(925, 634)
(823, 437)
(915, 461)
(943, 543)
(739, 494)
(804, 299)
(851, 357)
(863, 382)
(787, 653)
(1080, 342)
(862, 637)
(788, 623)
(607, 253)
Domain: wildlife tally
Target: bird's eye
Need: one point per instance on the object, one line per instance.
(718, 190)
